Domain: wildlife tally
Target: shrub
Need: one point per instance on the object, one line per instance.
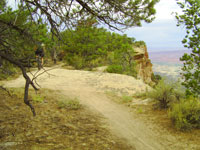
(80, 62)
(139, 43)
(156, 78)
(115, 69)
(37, 98)
(126, 99)
(121, 61)
(186, 114)
(7, 71)
(75, 61)
(165, 93)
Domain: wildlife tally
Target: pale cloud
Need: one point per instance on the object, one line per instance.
(159, 35)
(165, 8)
(162, 33)
(12, 3)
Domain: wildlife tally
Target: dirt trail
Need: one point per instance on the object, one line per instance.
(90, 88)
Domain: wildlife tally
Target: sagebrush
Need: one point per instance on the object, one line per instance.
(186, 114)
(166, 93)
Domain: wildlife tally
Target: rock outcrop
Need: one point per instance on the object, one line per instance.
(144, 65)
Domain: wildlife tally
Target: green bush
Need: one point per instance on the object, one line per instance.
(8, 71)
(156, 78)
(37, 98)
(139, 43)
(165, 93)
(115, 69)
(126, 99)
(80, 62)
(121, 61)
(186, 114)
(76, 61)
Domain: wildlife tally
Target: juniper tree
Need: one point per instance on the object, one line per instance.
(191, 68)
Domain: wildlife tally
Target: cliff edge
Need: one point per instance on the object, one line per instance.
(144, 65)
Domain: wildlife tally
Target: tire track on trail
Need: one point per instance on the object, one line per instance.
(90, 89)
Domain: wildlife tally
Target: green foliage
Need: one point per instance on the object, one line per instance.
(76, 61)
(166, 93)
(89, 47)
(20, 47)
(186, 114)
(7, 70)
(121, 54)
(156, 78)
(140, 110)
(37, 98)
(115, 69)
(2, 6)
(85, 47)
(126, 99)
(139, 43)
(72, 104)
(190, 19)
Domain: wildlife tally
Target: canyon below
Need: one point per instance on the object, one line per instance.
(167, 63)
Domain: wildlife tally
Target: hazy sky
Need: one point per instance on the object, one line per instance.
(162, 33)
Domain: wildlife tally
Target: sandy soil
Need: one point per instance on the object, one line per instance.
(56, 126)
(90, 88)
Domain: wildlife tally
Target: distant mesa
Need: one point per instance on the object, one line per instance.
(167, 56)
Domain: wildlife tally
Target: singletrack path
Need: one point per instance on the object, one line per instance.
(90, 88)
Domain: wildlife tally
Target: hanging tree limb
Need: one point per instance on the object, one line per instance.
(27, 78)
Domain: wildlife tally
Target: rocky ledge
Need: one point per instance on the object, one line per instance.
(144, 65)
